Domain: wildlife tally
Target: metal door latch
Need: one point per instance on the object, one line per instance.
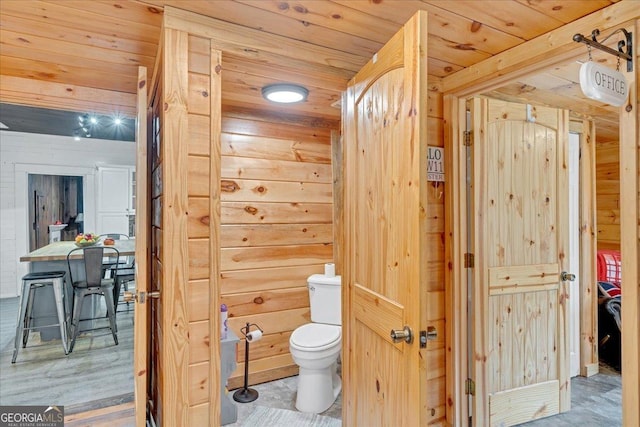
(139, 296)
(429, 335)
(567, 277)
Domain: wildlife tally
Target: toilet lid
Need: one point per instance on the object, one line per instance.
(315, 335)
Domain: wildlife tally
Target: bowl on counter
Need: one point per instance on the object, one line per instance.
(86, 239)
(85, 243)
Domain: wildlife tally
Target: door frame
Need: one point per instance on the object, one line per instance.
(587, 240)
(141, 310)
(21, 176)
(526, 59)
(482, 297)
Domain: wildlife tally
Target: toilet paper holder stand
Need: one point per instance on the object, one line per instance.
(246, 394)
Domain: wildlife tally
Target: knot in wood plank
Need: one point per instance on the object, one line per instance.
(229, 186)
(300, 9)
(251, 210)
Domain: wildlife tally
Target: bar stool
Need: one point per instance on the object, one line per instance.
(30, 283)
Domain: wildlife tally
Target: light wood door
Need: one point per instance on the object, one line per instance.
(141, 314)
(520, 325)
(385, 168)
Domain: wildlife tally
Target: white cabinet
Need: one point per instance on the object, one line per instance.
(116, 200)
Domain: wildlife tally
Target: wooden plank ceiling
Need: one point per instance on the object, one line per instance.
(320, 44)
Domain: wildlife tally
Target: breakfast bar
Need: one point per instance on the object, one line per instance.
(57, 251)
(53, 257)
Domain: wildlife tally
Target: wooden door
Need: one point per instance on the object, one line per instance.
(47, 204)
(385, 187)
(141, 314)
(520, 325)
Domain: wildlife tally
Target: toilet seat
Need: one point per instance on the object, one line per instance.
(315, 336)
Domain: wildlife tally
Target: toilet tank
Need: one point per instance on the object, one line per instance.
(325, 299)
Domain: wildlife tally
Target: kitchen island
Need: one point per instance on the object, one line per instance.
(57, 251)
(53, 257)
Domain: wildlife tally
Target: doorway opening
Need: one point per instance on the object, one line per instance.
(56, 208)
(608, 126)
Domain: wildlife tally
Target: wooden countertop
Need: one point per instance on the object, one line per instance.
(58, 251)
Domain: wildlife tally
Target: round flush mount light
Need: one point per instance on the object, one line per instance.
(285, 93)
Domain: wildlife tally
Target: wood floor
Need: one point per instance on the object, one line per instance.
(112, 416)
(97, 373)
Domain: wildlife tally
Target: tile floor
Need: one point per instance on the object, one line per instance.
(586, 411)
(596, 401)
(280, 394)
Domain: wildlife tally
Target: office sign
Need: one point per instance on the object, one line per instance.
(603, 84)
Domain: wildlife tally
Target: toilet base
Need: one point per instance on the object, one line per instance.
(318, 389)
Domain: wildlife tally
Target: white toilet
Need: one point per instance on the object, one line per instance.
(315, 346)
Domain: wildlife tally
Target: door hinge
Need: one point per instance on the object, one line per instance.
(469, 260)
(467, 138)
(470, 387)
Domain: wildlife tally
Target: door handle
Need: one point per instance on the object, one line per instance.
(567, 277)
(405, 334)
(129, 296)
(139, 297)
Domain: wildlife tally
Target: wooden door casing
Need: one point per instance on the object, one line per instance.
(384, 270)
(520, 328)
(143, 223)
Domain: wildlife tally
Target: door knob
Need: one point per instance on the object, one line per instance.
(139, 297)
(129, 296)
(567, 277)
(405, 334)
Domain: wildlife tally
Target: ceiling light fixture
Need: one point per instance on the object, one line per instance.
(285, 93)
(117, 121)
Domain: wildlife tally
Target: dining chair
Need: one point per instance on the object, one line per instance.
(124, 277)
(93, 283)
(125, 273)
(126, 262)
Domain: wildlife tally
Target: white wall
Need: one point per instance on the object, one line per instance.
(23, 153)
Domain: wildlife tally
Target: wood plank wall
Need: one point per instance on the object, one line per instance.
(608, 194)
(276, 215)
(203, 100)
(436, 409)
(277, 207)
(184, 199)
(276, 222)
